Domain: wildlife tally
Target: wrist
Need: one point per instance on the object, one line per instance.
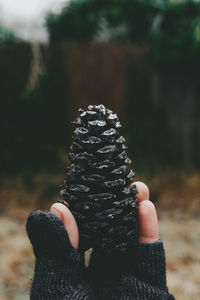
(54, 279)
(49, 269)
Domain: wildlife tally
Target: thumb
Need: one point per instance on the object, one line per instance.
(69, 222)
(48, 236)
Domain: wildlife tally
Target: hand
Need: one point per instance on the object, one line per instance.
(148, 223)
(142, 273)
(59, 269)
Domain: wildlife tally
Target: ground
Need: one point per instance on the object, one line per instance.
(180, 235)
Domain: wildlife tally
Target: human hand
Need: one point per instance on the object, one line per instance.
(143, 274)
(59, 269)
(148, 223)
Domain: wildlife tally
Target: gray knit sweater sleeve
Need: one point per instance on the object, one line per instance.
(60, 272)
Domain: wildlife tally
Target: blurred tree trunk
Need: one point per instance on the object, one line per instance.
(177, 94)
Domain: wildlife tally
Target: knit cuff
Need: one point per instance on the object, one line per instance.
(150, 265)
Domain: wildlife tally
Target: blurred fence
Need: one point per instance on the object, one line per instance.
(158, 104)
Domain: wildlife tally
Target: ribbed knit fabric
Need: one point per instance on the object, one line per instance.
(60, 272)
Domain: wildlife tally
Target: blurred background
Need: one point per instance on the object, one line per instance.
(140, 58)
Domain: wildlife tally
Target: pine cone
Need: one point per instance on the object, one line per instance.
(96, 187)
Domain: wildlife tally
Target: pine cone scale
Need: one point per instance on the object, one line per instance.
(96, 186)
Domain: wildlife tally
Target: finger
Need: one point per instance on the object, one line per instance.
(148, 222)
(143, 191)
(69, 222)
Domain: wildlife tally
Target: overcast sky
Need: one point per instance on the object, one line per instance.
(26, 17)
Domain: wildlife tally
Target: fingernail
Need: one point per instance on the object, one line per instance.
(55, 212)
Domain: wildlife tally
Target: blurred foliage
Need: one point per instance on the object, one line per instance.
(78, 21)
(81, 20)
(176, 32)
(7, 36)
(170, 28)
